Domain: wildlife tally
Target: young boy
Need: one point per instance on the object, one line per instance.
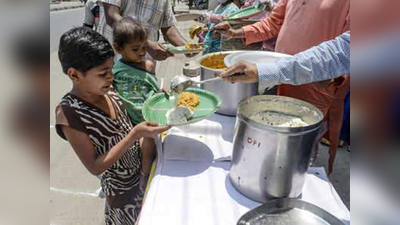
(135, 79)
(92, 119)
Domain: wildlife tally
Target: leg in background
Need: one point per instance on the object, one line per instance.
(148, 150)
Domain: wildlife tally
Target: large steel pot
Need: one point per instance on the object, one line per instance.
(230, 94)
(271, 162)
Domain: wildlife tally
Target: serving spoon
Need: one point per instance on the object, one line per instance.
(180, 83)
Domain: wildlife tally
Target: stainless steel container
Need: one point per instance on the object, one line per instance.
(289, 211)
(271, 162)
(230, 94)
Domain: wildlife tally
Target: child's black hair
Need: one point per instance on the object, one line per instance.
(83, 49)
(129, 30)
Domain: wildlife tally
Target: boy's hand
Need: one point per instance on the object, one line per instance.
(165, 91)
(158, 51)
(149, 129)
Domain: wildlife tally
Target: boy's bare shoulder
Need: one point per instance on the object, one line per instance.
(150, 66)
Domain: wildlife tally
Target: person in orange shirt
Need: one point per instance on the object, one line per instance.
(300, 25)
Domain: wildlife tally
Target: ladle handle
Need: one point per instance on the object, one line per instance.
(209, 80)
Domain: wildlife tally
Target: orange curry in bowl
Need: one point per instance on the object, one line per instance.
(215, 61)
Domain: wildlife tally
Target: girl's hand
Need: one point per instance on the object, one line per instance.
(149, 129)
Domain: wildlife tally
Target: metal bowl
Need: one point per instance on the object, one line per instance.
(230, 94)
(288, 212)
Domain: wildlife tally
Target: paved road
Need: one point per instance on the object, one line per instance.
(61, 21)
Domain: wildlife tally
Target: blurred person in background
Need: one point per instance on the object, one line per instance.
(24, 44)
(92, 14)
(190, 4)
(31, 111)
(375, 112)
(381, 34)
(375, 180)
(155, 15)
(214, 17)
(299, 25)
(268, 45)
(209, 16)
(213, 39)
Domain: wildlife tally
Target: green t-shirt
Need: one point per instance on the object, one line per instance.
(134, 86)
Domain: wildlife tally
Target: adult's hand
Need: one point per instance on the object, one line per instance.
(158, 51)
(224, 28)
(149, 129)
(241, 72)
(112, 13)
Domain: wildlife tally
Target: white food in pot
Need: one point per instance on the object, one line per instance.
(179, 115)
(278, 119)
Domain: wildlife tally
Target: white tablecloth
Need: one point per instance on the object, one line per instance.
(191, 185)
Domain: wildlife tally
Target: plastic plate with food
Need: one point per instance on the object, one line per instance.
(187, 49)
(191, 106)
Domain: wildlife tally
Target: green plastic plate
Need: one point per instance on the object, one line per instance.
(246, 13)
(155, 108)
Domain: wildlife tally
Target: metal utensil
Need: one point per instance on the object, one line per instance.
(180, 83)
(270, 162)
(289, 211)
(230, 94)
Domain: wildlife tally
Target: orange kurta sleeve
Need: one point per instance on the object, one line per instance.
(267, 28)
(347, 24)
